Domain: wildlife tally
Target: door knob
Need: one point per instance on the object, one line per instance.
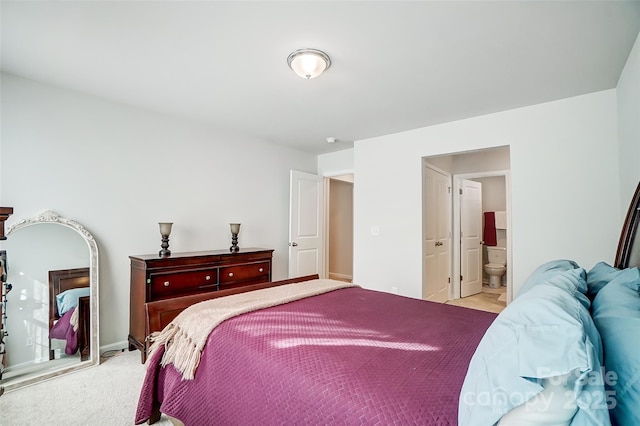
(294, 244)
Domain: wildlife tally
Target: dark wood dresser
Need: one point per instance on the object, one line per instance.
(156, 278)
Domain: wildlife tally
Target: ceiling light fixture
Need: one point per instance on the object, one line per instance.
(308, 63)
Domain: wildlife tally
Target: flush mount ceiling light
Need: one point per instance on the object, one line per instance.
(308, 63)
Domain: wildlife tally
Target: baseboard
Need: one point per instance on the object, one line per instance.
(340, 277)
(24, 365)
(118, 346)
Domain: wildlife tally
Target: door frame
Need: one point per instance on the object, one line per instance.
(326, 177)
(457, 178)
(325, 214)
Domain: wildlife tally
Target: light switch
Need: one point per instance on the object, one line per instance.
(375, 230)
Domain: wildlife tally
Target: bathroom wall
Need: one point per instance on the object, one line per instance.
(494, 198)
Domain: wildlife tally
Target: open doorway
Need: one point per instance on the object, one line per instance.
(491, 240)
(340, 227)
(486, 168)
(321, 225)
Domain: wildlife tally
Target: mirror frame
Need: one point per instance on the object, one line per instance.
(630, 231)
(94, 344)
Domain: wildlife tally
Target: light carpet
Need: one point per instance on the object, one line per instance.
(103, 395)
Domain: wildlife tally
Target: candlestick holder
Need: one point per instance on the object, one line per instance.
(165, 231)
(235, 230)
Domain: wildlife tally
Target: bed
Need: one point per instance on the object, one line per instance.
(69, 312)
(564, 352)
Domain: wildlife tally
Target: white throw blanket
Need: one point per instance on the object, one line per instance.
(185, 336)
(73, 321)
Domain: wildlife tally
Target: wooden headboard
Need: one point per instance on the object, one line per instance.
(628, 254)
(62, 280)
(66, 279)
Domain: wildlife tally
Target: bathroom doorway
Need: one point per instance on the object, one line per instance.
(495, 201)
(486, 166)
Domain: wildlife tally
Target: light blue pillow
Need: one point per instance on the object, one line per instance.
(616, 313)
(563, 274)
(548, 271)
(546, 332)
(599, 276)
(68, 299)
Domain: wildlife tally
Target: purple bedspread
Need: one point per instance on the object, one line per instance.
(351, 356)
(63, 330)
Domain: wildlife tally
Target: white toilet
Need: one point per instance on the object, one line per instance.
(497, 265)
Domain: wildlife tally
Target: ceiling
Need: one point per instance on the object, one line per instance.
(395, 65)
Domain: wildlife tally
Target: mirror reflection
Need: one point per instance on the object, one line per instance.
(49, 300)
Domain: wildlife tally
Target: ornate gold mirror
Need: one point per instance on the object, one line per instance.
(52, 272)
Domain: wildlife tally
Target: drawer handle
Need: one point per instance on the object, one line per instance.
(208, 277)
(260, 270)
(230, 274)
(166, 283)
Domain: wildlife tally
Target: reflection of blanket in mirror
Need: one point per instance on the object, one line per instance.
(66, 329)
(74, 320)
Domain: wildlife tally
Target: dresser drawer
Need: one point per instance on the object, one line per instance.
(155, 278)
(251, 272)
(171, 284)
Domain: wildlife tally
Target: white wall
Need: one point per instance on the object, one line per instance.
(336, 163)
(494, 193)
(119, 170)
(628, 91)
(564, 175)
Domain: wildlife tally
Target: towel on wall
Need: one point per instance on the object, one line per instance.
(489, 234)
(501, 220)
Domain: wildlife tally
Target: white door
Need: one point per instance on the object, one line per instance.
(436, 244)
(470, 238)
(306, 224)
